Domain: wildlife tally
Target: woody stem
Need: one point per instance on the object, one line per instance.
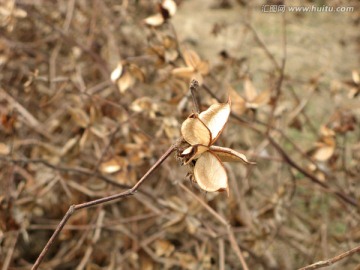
(193, 86)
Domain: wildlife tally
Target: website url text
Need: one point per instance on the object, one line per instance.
(283, 8)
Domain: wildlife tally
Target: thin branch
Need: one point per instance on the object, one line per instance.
(345, 198)
(277, 93)
(53, 237)
(76, 170)
(221, 254)
(10, 252)
(263, 46)
(193, 86)
(236, 247)
(107, 225)
(69, 15)
(70, 40)
(321, 264)
(29, 119)
(300, 108)
(75, 207)
(230, 232)
(313, 178)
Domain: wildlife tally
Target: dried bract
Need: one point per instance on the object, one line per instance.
(325, 147)
(354, 85)
(195, 67)
(251, 100)
(201, 131)
(167, 10)
(125, 75)
(9, 13)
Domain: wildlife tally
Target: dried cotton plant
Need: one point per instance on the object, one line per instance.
(199, 132)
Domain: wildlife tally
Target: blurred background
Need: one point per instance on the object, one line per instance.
(92, 93)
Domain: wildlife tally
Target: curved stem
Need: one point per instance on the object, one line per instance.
(76, 207)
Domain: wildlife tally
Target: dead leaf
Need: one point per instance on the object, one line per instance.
(171, 127)
(113, 165)
(342, 121)
(326, 132)
(194, 131)
(215, 118)
(191, 58)
(195, 68)
(192, 224)
(260, 100)
(175, 224)
(201, 131)
(169, 6)
(154, 20)
(69, 145)
(125, 75)
(125, 82)
(210, 173)
(99, 130)
(354, 85)
(250, 90)
(4, 149)
(323, 152)
(163, 248)
(186, 260)
(252, 99)
(84, 138)
(167, 10)
(142, 104)
(325, 147)
(80, 117)
(117, 72)
(238, 103)
(228, 155)
(183, 72)
(126, 175)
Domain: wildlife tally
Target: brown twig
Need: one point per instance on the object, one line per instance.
(263, 46)
(230, 232)
(75, 170)
(277, 93)
(193, 86)
(76, 207)
(72, 41)
(94, 240)
(221, 254)
(107, 225)
(313, 178)
(300, 108)
(12, 244)
(29, 119)
(345, 198)
(321, 264)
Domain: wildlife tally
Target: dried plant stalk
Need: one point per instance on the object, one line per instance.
(111, 198)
